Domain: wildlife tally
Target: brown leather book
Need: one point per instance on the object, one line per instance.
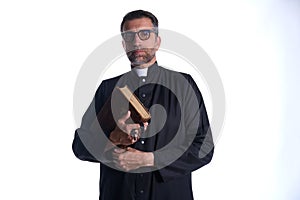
(117, 105)
(139, 113)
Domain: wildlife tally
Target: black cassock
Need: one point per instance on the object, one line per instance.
(178, 134)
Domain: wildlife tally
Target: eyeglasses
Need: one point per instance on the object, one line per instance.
(128, 36)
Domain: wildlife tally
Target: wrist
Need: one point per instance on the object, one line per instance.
(149, 159)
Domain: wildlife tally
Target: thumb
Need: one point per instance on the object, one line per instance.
(124, 117)
(130, 149)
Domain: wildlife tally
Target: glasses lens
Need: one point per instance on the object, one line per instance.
(144, 34)
(128, 36)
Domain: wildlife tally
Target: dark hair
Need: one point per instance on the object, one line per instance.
(137, 14)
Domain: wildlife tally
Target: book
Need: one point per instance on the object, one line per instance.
(121, 100)
(139, 113)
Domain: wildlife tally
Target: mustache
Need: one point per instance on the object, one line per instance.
(130, 51)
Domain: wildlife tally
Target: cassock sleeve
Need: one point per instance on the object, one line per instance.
(89, 140)
(196, 150)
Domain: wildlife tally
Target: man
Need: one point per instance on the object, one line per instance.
(156, 163)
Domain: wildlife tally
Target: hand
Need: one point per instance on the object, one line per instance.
(130, 159)
(126, 134)
(118, 137)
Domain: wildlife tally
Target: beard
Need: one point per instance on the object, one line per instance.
(141, 56)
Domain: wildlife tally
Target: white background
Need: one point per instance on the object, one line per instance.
(255, 46)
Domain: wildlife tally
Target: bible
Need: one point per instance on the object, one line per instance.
(121, 100)
(139, 113)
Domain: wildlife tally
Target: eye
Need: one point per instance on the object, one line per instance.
(144, 34)
(128, 36)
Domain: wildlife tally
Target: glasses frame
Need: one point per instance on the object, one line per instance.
(138, 33)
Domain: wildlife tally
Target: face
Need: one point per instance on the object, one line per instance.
(139, 48)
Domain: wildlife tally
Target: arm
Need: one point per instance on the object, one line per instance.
(200, 146)
(84, 139)
(92, 140)
(194, 145)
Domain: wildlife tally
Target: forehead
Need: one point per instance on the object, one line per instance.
(137, 24)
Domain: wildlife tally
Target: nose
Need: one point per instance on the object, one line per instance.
(136, 40)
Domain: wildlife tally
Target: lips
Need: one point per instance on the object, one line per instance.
(138, 52)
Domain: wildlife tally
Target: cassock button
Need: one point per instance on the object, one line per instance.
(141, 191)
(143, 80)
(143, 95)
(143, 142)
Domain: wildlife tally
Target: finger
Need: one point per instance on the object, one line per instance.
(134, 139)
(130, 167)
(118, 157)
(119, 150)
(130, 149)
(132, 126)
(115, 157)
(122, 165)
(124, 118)
(141, 131)
(118, 166)
(126, 140)
(134, 133)
(145, 125)
(127, 128)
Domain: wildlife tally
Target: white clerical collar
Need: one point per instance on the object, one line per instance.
(141, 72)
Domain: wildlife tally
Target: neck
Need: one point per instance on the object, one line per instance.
(141, 72)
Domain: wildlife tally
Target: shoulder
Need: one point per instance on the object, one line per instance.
(111, 81)
(106, 87)
(182, 81)
(176, 74)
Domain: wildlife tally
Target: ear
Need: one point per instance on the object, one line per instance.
(157, 42)
(124, 45)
